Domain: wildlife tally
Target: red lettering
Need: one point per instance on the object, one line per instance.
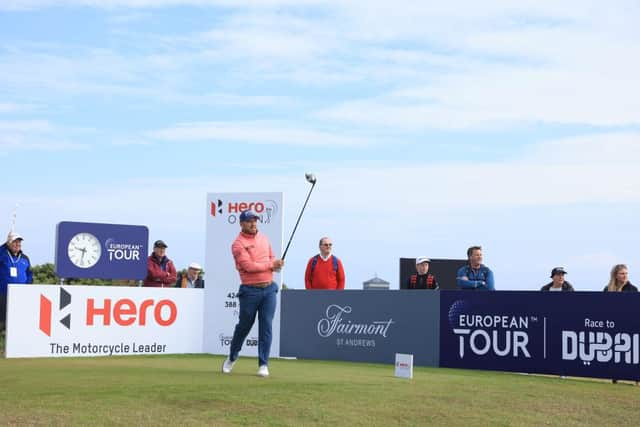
(173, 312)
(126, 313)
(241, 207)
(213, 209)
(93, 311)
(124, 307)
(143, 311)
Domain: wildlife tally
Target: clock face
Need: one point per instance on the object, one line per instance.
(84, 250)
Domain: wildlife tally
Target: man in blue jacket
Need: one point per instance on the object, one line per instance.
(475, 275)
(15, 267)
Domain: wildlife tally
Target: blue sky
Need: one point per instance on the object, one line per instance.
(430, 127)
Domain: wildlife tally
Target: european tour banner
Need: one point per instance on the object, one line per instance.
(222, 279)
(589, 334)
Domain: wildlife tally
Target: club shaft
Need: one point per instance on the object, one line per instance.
(297, 222)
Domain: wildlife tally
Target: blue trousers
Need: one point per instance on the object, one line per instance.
(260, 301)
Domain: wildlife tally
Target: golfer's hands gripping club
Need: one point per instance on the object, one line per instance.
(277, 264)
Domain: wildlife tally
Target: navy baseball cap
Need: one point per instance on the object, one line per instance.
(558, 270)
(247, 215)
(159, 244)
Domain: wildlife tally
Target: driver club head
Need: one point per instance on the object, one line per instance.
(310, 178)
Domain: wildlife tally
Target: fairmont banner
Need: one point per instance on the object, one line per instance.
(590, 334)
(363, 326)
(71, 321)
(221, 302)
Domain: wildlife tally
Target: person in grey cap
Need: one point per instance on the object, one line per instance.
(422, 279)
(558, 284)
(161, 273)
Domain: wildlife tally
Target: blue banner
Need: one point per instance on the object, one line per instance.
(362, 326)
(101, 251)
(591, 334)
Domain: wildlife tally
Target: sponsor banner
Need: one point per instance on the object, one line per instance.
(71, 321)
(101, 251)
(221, 302)
(591, 334)
(361, 326)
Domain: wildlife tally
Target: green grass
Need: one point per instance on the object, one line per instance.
(190, 390)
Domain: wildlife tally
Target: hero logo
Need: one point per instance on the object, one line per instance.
(46, 315)
(267, 209)
(216, 208)
(123, 312)
(502, 335)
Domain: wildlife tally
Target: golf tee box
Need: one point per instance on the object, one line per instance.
(404, 365)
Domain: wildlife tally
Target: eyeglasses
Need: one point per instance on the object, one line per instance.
(327, 244)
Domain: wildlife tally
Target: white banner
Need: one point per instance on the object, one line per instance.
(223, 281)
(65, 321)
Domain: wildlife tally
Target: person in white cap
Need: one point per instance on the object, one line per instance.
(15, 267)
(422, 279)
(192, 278)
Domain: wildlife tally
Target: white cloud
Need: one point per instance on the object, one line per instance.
(39, 135)
(255, 133)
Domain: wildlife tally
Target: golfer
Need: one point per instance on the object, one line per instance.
(257, 294)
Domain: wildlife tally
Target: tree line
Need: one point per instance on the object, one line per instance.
(46, 274)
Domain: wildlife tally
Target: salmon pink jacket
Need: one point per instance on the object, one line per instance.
(254, 258)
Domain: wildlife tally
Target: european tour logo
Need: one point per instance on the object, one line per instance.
(46, 312)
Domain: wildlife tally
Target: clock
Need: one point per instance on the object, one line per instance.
(84, 250)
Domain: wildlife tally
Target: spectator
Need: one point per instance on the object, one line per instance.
(255, 263)
(324, 270)
(475, 275)
(192, 279)
(161, 272)
(15, 267)
(423, 279)
(558, 283)
(619, 280)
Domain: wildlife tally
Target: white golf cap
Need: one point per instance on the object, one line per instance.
(422, 259)
(12, 237)
(195, 266)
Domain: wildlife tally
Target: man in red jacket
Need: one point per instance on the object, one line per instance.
(257, 294)
(324, 271)
(160, 270)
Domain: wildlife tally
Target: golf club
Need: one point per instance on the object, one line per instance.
(312, 179)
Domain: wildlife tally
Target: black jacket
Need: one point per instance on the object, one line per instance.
(566, 287)
(628, 287)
